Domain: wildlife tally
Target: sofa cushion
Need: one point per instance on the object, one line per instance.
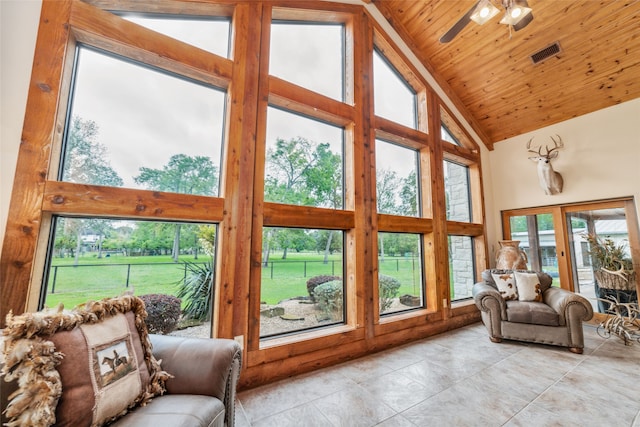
(532, 312)
(529, 288)
(93, 363)
(176, 410)
(545, 279)
(506, 285)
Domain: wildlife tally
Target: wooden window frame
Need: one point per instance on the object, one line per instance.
(240, 211)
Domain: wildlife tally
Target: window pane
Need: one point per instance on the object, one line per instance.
(135, 127)
(394, 99)
(446, 135)
(400, 281)
(456, 187)
(461, 267)
(209, 34)
(396, 179)
(536, 234)
(301, 286)
(304, 161)
(309, 55)
(94, 258)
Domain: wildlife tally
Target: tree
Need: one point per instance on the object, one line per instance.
(86, 161)
(182, 174)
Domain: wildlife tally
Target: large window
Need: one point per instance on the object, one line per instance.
(94, 258)
(396, 179)
(281, 160)
(302, 286)
(136, 127)
(309, 55)
(394, 98)
(304, 161)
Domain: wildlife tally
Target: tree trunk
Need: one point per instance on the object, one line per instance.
(76, 260)
(266, 250)
(100, 246)
(327, 247)
(176, 244)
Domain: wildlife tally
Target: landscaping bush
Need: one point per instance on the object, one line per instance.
(163, 312)
(388, 288)
(329, 298)
(318, 280)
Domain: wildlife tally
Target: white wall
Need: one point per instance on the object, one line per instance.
(18, 31)
(600, 160)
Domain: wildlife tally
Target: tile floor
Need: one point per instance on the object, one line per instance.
(460, 378)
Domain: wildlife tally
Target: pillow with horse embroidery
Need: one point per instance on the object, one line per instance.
(529, 288)
(99, 363)
(506, 284)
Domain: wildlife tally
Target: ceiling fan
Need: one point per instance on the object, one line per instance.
(517, 15)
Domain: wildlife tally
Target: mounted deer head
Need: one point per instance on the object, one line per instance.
(550, 180)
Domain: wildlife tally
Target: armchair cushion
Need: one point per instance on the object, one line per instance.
(529, 288)
(506, 285)
(536, 313)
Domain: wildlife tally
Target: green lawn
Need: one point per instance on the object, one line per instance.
(282, 279)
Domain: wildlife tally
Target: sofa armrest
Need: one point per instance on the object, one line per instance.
(569, 305)
(201, 366)
(488, 298)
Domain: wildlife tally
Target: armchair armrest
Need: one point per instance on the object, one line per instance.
(570, 306)
(488, 298)
(201, 366)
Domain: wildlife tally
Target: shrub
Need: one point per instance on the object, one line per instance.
(388, 289)
(329, 297)
(163, 312)
(318, 280)
(197, 291)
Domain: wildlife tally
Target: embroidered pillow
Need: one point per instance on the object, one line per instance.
(506, 283)
(529, 288)
(93, 363)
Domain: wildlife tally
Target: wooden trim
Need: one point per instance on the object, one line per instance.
(205, 8)
(391, 131)
(107, 31)
(25, 216)
(109, 202)
(280, 215)
(404, 224)
(464, 229)
(233, 272)
(300, 100)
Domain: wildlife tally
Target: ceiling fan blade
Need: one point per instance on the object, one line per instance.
(458, 26)
(524, 22)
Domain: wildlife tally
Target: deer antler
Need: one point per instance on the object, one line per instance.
(533, 151)
(556, 145)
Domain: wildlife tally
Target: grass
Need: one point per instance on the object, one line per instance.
(95, 278)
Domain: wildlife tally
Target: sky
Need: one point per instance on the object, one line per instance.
(145, 116)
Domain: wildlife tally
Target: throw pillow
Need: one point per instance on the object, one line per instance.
(506, 283)
(529, 288)
(84, 367)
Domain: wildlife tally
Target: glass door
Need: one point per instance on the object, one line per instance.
(601, 255)
(537, 236)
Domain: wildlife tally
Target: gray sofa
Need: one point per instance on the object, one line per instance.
(202, 392)
(557, 320)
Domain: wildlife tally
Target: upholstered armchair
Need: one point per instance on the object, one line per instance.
(523, 306)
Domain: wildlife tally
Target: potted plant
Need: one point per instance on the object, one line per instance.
(613, 270)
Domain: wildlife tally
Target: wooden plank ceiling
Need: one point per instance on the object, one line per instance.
(492, 76)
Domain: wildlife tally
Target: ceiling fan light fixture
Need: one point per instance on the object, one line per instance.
(484, 11)
(514, 14)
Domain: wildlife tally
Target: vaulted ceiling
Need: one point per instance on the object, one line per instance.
(488, 72)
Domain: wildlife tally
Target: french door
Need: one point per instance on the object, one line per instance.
(554, 239)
